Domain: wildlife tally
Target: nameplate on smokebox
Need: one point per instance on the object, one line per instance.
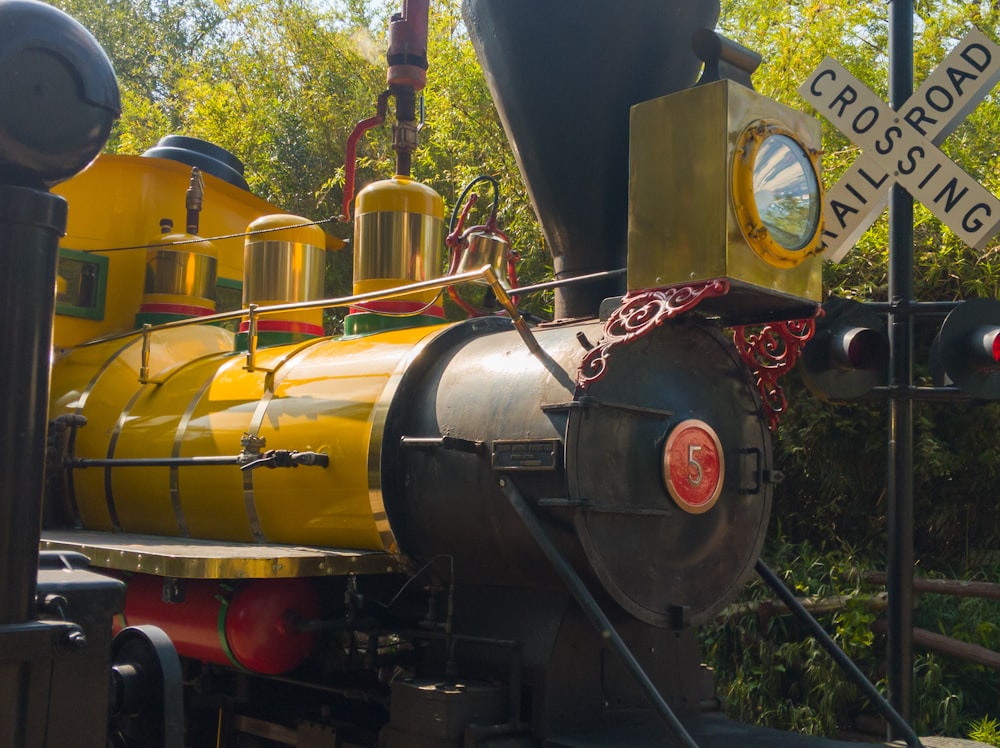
(526, 454)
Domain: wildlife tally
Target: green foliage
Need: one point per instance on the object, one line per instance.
(973, 688)
(985, 730)
(772, 673)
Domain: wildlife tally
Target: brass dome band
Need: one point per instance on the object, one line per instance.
(283, 272)
(180, 273)
(396, 244)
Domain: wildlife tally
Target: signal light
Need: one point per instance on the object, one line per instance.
(966, 352)
(848, 355)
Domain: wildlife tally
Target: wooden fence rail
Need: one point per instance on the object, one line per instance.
(930, 640)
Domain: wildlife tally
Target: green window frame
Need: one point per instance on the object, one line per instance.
(85, 284)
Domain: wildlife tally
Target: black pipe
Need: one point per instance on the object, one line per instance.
(271, 458)
(593, 612)
(839, 657)
(31, 223)
(604, 275)
(404, 132)
(900, 474)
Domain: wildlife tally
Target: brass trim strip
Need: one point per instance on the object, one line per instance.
(180, 273)
(397, 244)
(380, 413)
(283, 270)
(179, 434)
(81, 403)
(272, 379)
(205, 559)
(109, 495)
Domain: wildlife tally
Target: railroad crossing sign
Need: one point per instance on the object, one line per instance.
(901, 146)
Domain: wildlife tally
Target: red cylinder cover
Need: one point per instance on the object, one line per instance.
(250, 624)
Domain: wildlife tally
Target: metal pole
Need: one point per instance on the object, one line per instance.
(31, 222)
(839, 656)
(900, 473)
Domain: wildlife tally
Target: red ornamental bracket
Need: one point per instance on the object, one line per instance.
(771, 353)
(641, 312)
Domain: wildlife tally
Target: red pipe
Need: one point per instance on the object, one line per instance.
(407, 55)
(351, 150)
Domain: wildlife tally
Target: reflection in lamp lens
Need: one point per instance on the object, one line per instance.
(786, 192)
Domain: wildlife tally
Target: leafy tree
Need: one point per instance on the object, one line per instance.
(835, 457)
(282, 83)
(152, 45)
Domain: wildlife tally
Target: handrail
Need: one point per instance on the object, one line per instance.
(328, 303)
(253, 312)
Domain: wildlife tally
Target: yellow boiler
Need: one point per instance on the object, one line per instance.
(199, 400)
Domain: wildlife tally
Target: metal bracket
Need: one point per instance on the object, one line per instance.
(640, 313)
(771, 353)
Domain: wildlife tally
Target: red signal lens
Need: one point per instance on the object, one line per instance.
(862, 348)
(988, 339)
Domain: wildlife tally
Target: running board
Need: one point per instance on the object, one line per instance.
(191, 558)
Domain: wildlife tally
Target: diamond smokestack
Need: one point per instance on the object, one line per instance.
(563, 75)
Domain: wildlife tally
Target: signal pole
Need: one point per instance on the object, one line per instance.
(900, 472)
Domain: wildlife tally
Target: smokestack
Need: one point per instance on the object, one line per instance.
(563, 75)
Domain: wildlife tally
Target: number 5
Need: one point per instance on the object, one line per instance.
(695, 473)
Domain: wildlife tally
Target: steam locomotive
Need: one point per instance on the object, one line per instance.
(425, 532)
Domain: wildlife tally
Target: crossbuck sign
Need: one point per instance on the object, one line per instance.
(902, 146)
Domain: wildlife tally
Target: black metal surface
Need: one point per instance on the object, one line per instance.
(477, 382)
(724, 59)
(827, 370)
(900, 483)
(837, 654)
(662, 564)
(53, 672)
(78, 700)
(593, 611)
(563, 75)
(958, 356)
(207, 156)
(65, 91)
(603, 491)
(148, 703)
(31, 223)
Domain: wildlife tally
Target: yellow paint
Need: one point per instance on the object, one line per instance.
(399, 195)
(119, 202)
(318, 396)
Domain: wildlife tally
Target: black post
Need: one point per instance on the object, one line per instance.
(31, 223)
(60, 99)
(900, 474)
